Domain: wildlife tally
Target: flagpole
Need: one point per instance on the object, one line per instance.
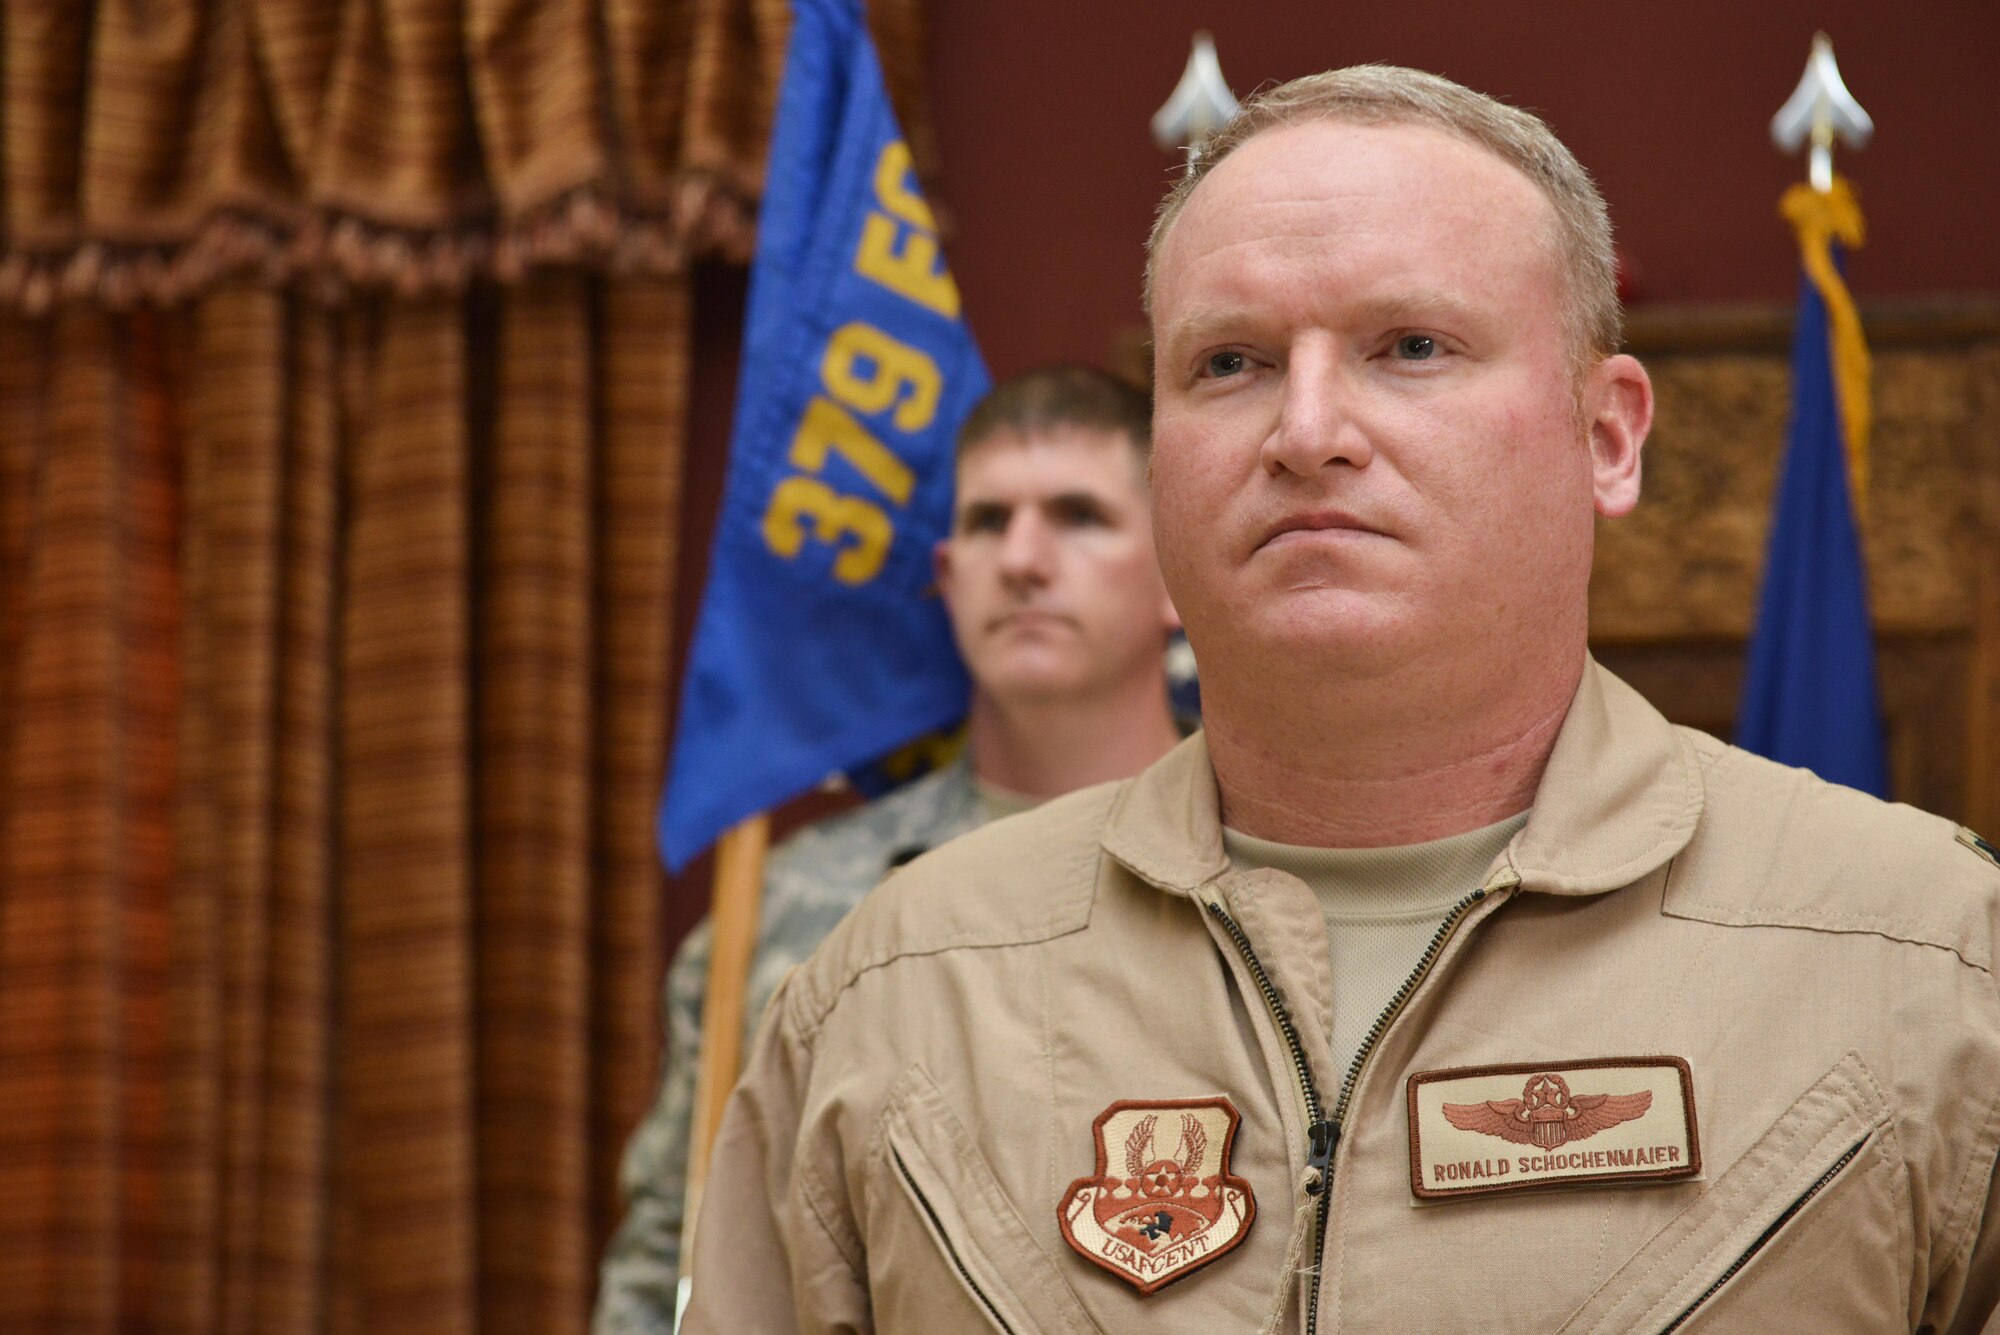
(1824, 212)
(1810, 693)
(732, 916)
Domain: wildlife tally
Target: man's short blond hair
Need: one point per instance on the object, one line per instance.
(1392, 95)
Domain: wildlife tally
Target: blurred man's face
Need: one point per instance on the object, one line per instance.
(1049, 573)
(1366, 444)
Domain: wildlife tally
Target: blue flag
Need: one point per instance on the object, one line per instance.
(821, 645)
(1809, 692)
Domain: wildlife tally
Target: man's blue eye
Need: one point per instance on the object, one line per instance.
(1416, 347)
(1225, 363)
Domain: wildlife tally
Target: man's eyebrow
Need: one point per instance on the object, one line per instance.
(1076, 499)
(978, 509)
(1205, 321)
(1198, 321)
(1417, 308)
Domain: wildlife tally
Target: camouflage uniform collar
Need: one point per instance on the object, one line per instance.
(1621, 795)
(942, 804)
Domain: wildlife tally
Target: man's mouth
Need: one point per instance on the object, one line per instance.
(1027, 618)
(1321, 524)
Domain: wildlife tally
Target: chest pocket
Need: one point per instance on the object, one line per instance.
(1809, 1230)
(949, 1193)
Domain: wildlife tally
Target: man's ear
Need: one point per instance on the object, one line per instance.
(1619, 400)
(941, 569)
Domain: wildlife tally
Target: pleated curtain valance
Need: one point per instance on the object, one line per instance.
(149, 148)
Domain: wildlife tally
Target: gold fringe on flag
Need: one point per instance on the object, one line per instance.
(1820, 219)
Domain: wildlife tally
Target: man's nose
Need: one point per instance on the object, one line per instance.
(1318, 426)
(1024, 548)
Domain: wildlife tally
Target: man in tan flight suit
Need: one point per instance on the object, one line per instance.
(1441, 984)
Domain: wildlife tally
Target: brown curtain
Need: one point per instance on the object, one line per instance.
(344, 359)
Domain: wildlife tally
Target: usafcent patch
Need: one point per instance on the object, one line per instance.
(1162, 1203)
(1477, 1130)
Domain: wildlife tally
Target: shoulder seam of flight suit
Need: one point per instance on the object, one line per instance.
(1068, 877)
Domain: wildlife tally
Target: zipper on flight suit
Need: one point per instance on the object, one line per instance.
(1323, 1133)
(1766, 1236)
(944, 1240)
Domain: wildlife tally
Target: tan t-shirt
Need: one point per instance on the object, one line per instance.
(995, 801)
(1382, 906)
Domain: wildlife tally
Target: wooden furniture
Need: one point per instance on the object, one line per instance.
(1675, 586)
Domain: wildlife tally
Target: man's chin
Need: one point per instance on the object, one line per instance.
(1342, 629)
(1031, 679)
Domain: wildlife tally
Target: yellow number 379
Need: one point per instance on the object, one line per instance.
(867, 371)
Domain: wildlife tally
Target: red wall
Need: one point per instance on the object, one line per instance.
(1050, 176)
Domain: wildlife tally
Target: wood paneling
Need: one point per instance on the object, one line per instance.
(1675, 585)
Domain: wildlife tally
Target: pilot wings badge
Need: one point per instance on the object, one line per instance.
(1592, 1122)
(1547, 1114)
(1174, 1207)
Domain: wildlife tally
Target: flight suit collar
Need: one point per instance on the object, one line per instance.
(1621, 795)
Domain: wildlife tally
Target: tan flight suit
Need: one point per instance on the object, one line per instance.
(951, 1090)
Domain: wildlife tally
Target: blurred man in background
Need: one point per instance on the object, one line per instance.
(1056, 603)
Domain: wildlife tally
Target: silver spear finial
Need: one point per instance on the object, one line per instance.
(1200, 104)
(1818, 109)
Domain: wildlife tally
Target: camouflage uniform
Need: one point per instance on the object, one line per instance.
(810, 883)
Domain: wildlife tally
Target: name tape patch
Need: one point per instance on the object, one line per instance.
(1476, 1130)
